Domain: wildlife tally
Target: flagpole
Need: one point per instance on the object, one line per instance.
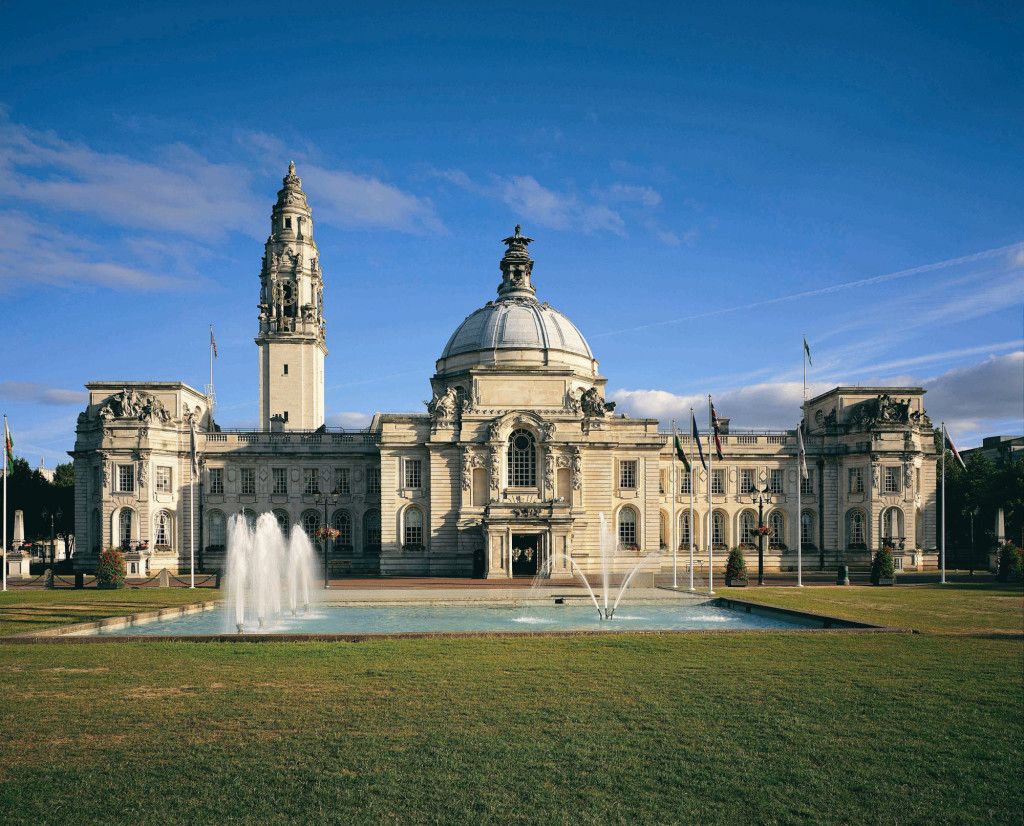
(690, 515)
(943, 528)
(799, 513)
(672, 529)
(711, 543)
(803, 357)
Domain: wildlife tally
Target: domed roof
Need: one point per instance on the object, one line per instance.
(517, 324)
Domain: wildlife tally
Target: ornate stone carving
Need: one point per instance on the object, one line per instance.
(572, 403)
(549, 472)
(547, 431)
(882, 410)
(592, 403)
(132, 404)
(143, 464)
(577, 468)
(495, 468)
(470, 461)
(442, 409)
(104, 469)
(526, 513)
(908, 476)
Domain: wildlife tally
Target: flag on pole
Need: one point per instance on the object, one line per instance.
(192, 447)
(718, 432)
(800, 450)
(8, 449)
(807, 350)
(953, 450)
(681, 454)
(695, 435)
(213, 342)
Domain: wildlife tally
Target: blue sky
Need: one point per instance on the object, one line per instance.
(705, 186)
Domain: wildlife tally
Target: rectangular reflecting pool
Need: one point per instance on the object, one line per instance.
(442, 618)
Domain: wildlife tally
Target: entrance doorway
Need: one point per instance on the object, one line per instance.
(525, 554)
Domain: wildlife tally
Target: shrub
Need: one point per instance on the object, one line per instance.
(736, 567)
(882, 567)
(110, 569)
(1011, 564)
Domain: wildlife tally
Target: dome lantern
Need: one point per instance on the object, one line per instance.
(516, 267)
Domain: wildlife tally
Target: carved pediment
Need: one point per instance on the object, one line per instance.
(134, 405)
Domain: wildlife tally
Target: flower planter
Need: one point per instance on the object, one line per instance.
(886, 580)
(736, 583)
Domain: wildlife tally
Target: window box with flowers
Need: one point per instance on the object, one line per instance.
(327, 532)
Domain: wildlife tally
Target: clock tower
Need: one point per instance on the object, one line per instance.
(292, 334)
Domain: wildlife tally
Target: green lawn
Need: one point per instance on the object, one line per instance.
(24, 610)
(814, 727)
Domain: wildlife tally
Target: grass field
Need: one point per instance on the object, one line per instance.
(814, 727)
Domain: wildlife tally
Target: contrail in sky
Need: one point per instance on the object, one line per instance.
(834, 288)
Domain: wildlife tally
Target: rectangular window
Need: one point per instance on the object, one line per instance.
(217, 481)
(891, 480)
(746, 480)
(163, 480)
(312, 481)
(775, 480)
(280, 475)
(718, 481)
(627, 474)
(248, 486)
(686, 482)
(856, 477)
(126, 478)
(373, 481)
(413, 473)
(286, 369)
(807, 485)
(341, 480)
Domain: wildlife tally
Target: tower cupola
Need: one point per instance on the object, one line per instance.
(516, 267)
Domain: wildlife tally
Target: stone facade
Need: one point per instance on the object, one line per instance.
(513, 465)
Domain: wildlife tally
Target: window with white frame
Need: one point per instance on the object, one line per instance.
(283, 520)
(414, 473)
(373, 481)
(627, 528)
(218, 529)
(807, 485)
(250, 518)
(718, 481)
(247, 486)
(892, 478)
(217, 481)
(311, 481)
(775, 480)
(522, 459)
(126, 478)
(856, 536)
(341, 480)
(627, 474)
(279, 477)
(413, 529)
(684, 529)
(748, 528)
(718, 530)
(163, 480)
(311, 523)
(746, 480)
(777, 529)
(124, 527)
(343, 524)
(807, 529)
(686, 481)
(855, 475)
(163, 528)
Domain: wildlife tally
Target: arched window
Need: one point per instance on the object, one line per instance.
(777, 530)
(343, 523)
(684, 529)
(718, 530)
(311, 523)
(124, 528)
(807, 529)
(218, 532)
(250, 518)
(371, 532)
(856, 537)
(892, 526)
(748, 528)
(412, 534)
(627, 528)
(283, 520)
(162, 533)
(522, 459)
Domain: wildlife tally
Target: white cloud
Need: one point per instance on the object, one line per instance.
(346, 199)
(26, 391)
(558, 210)
(349, 419)
(992, 390)
(628, 193)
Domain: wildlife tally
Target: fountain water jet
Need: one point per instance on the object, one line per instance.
(264, 572)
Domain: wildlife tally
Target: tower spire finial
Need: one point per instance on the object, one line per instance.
(516, 266)
(291, 167)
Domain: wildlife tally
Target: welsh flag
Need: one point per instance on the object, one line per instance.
(954, 451)
(8, 449)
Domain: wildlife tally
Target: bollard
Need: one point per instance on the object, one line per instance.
(843, 575)
(164, 578)
(79, 581)
(216, 583)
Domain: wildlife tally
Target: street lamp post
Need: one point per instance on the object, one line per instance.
(326, 499)
(760, 497)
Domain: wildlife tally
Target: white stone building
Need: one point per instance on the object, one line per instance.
(511, 466)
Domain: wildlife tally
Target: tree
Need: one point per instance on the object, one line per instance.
(32, 493)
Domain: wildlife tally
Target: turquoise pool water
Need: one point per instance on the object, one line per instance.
(646, 616)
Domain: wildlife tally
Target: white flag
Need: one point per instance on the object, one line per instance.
(800, 449)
